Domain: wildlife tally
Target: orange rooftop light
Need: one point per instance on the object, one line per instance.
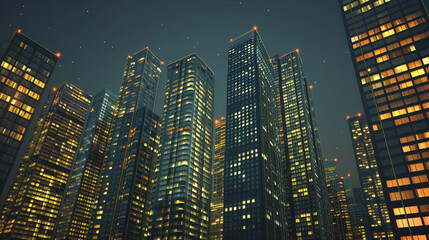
(255, 28)
(162, 62)
(359, 114)
(54, 89)
(19, 31)
(297, 50)
(58, 54)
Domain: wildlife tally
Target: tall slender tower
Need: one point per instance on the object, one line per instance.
(373, 197)
(307, 207)
(182, 196)
(216, 205)
(78, 201)
(26, 67)
(389, 47)
(341, 222)
(253, 199)
(136, 102)
(33, 203)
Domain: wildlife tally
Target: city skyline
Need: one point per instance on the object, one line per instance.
(318, 143)
(80, 55)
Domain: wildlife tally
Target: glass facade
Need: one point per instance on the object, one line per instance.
(78, 201)
(388, 42)
(26, 67)
(137, 97)
(253, 197)
(373, 197)
(33, 203)
(307, 207)
(216, 204)
(182, 196)
(341, 222)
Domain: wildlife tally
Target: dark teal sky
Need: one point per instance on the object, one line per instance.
(95, 38)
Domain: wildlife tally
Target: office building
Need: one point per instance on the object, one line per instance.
(389, 47)
(216, 205)
(307, 207)
(78, 201)
(26, 67)
(253, 194)
(181, 205)
(373, 197)
(33, 203)
(128, 151)
(339, 209)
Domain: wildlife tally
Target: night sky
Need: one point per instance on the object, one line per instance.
(95, 37)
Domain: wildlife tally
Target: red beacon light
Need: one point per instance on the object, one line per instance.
(255, 28)
(162, 62)
(147, 47)
(311, 86)
(19, 31)
(359, 114)
(231, 39)
(58, 54)
(349, 175)
(54, 89)
(129, 56)
(297, 50)
(348, 116)
(335, 159)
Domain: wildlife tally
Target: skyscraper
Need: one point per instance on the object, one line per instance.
(216, 204)
(341, 222)
(26, 67)
(126, 154)
(182, 196)
(78, 201)
(359, 216)
(389, 47)
(307, 207)
(253, 199)
(32, 205)
(373, 197)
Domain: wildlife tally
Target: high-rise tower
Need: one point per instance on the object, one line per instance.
(373, 197)
(182, 196)
(341, 222)
(216, 204)
(253, 197)
(136, 102)
(389, 47)
(26, 67)
(78, 201)
(33, 203)
(307, 208)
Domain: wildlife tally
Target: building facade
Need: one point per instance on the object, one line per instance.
(339, 209)
(26, 67)
(33, 203)
(136, 102)
(389, 47)
(373, 197)
(216, 204)
(182, 196)
(78, 201)
(307, 207)
(358, 215)
(253, 195)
